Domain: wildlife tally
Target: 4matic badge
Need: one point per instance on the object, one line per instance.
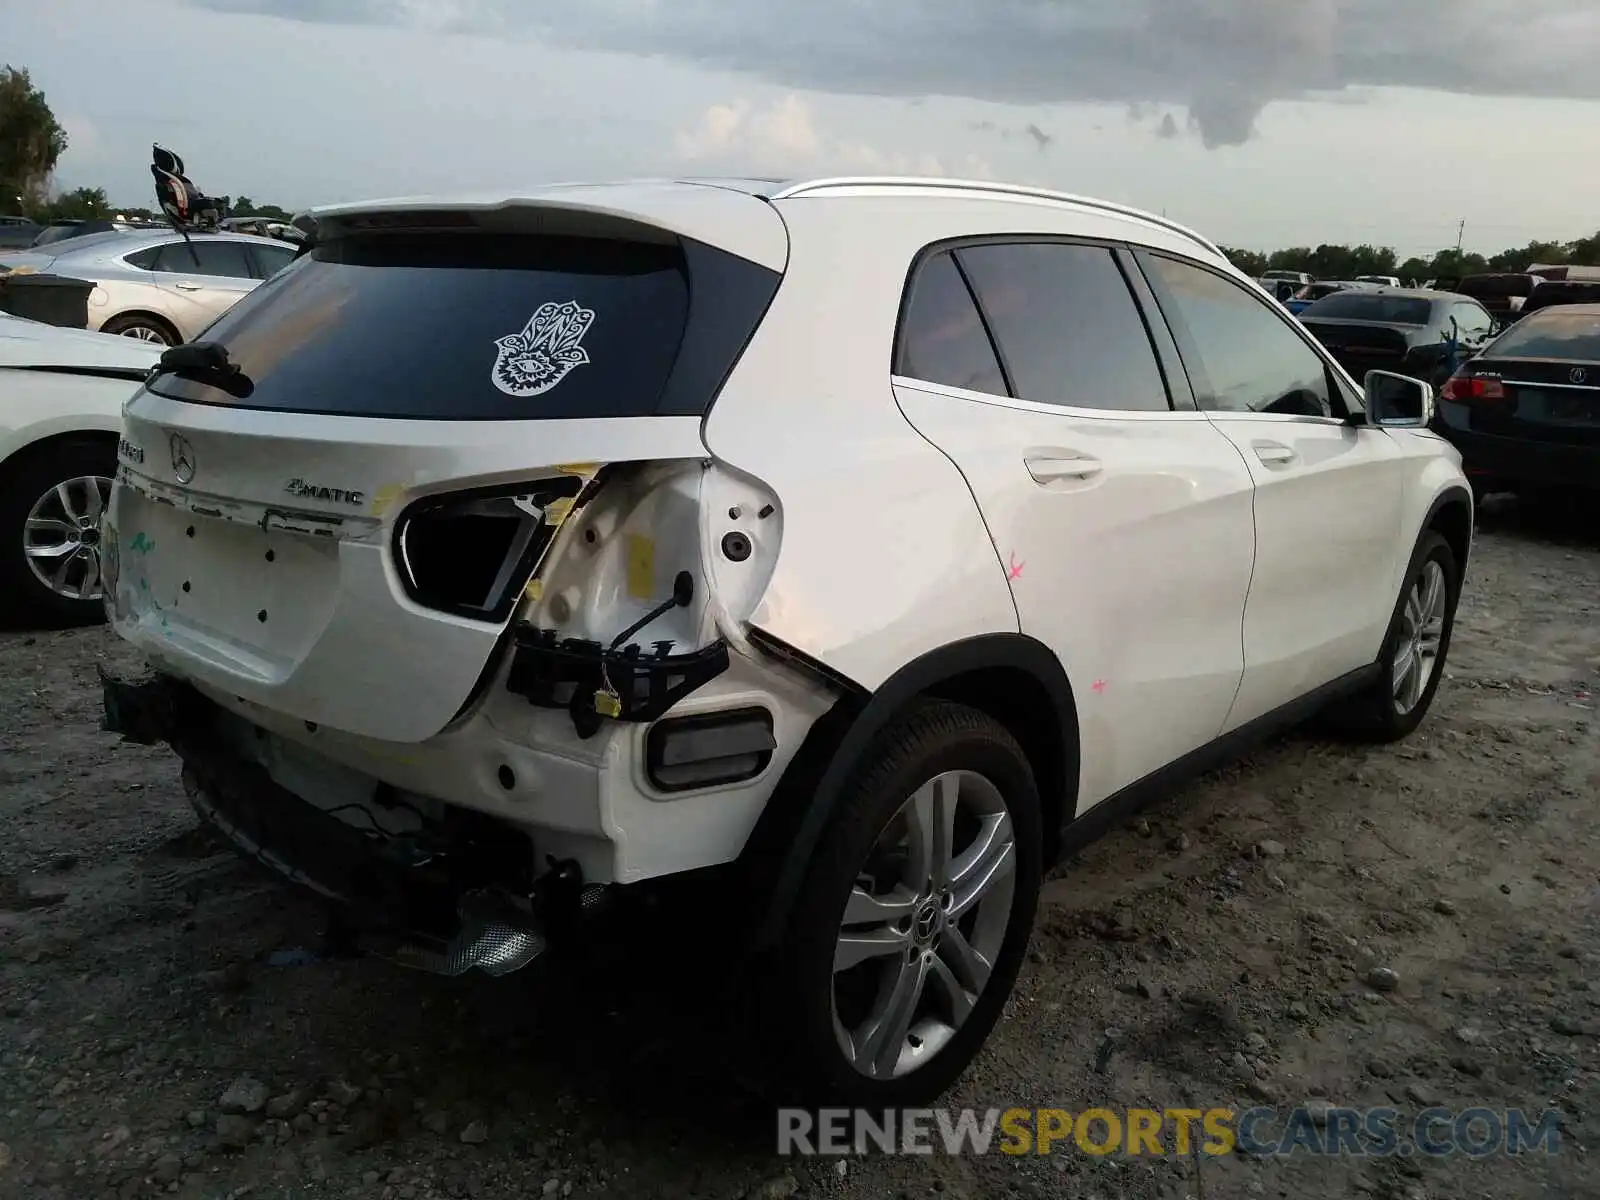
(301, 490)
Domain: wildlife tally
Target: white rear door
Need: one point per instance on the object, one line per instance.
(1124, 524)
(204, 278)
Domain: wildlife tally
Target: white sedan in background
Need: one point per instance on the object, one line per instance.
(157, 285)
(61, 396)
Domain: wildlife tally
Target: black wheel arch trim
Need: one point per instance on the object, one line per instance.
(50, 442)
(142, 316)
(1459, 495)
(781, 846)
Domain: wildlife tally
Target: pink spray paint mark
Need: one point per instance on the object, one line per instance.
(1015, 570)
(1098, 685)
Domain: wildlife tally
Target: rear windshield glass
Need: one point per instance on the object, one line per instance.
(1552, 333)
(466, 326)
(1369, 306)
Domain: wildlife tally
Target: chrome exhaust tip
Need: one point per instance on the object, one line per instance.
(492, 937)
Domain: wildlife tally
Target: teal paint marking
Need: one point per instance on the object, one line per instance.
(141, 544)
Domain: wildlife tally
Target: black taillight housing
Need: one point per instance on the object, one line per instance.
(708, 749)
(470, 554)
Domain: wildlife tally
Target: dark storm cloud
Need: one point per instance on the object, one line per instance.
(1223, 60)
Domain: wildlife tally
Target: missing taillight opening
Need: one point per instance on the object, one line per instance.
(1471, 389)
(470, 554)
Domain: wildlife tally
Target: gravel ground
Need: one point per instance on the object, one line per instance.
(156, 1039)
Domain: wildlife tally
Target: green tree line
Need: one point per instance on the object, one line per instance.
(32, 142)
(1347, 262)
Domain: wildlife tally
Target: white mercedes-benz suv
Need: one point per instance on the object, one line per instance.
(864, 543)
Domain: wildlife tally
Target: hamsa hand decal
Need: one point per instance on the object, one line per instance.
(532, 362)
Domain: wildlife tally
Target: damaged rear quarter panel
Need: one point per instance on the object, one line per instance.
(884, 554)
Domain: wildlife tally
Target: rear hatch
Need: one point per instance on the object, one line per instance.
(336, 516)
(1544, 400)
(1547, 367)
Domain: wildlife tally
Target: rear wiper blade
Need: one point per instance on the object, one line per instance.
(206, 362)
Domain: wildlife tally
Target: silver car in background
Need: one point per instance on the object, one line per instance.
(155, 286)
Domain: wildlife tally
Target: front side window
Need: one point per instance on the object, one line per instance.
(942, 338)
(1068, 329)
(1250, 360)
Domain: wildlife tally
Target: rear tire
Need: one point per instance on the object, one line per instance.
(50, 534)
(1414, 651)
(144, 327)
(931, 915)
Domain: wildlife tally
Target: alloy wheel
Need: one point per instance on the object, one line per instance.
(144, 333)
(1416, 655)
(923, 925)
(61, 536)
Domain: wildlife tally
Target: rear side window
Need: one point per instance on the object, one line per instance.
(1250, 360)
(943, 339)
(472, 327)
(226, 260)
(1066, 325)
(1552, 333)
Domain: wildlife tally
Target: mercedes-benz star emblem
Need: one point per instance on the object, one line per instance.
(182, 458)
(1578, 375)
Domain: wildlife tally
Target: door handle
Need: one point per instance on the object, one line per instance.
(1046, 469)
(1275, 454)
(185, 286)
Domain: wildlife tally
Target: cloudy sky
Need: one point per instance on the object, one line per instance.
(1261, 122)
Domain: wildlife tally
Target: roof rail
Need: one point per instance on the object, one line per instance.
(935, 183)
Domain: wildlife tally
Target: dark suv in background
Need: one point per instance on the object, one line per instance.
(1562, 291)
(1502, 293)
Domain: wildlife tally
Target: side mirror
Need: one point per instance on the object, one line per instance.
(1398, 401)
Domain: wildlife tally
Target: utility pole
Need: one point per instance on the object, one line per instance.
(1460, 229)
